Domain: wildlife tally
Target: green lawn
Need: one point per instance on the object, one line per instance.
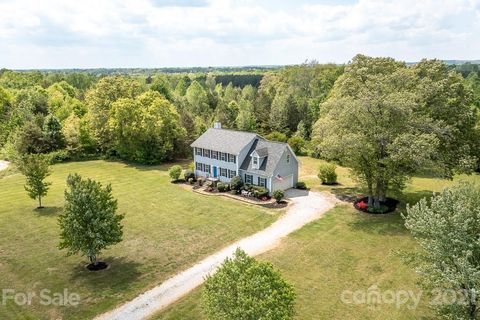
(345, 250)
(166, 229)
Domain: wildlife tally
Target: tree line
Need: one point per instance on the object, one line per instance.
(153, 118)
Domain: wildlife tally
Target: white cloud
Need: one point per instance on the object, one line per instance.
(155, 33)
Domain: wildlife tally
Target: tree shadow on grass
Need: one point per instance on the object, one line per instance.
(415, 196)
(382, 224)
(118, 277)
(164, 167)
(48, 211)
(347, 194)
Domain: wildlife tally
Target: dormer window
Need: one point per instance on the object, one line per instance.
(255, 162)
(288, 158)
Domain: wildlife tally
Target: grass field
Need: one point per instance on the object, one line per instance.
(345, 250)
(166, 229)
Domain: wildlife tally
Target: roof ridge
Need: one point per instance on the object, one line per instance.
(233, 130)
(277, 142)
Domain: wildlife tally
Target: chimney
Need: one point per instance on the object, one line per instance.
(217, 125)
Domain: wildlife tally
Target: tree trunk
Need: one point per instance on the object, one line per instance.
(93, 259)
(473, 305)
(376, 198)
(39, 202)
(370, 191)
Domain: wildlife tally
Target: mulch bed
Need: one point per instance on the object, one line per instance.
(96, 267)
(275, 205)
(390, 205)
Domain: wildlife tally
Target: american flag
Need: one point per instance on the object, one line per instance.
(279, 177)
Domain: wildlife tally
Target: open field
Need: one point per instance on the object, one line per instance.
(166, 230)
(345, 250)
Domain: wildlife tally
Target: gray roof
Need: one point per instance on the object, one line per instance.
(262, 152)
(273, 152)
(224, 140)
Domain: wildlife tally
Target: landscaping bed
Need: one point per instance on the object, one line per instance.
(385, 206)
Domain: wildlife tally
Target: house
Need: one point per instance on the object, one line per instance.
(223, 153)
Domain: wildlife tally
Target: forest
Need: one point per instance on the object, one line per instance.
(152, 116)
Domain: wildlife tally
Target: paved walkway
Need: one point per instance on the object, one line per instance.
(306, 207)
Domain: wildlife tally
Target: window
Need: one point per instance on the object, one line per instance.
(288, 158)
(223, 156)
(198, 166)
(206, 153)
(232, 158)
(198, 151)
(262, 182)
(207, 168)
(255, 162)
(248, 178)
(223, 172)
(232, 173)
(214, 154)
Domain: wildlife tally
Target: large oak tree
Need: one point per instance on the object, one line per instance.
(387, 121)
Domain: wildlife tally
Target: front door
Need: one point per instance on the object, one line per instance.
(215, 174)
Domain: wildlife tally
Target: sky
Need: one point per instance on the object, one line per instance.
(186, 33)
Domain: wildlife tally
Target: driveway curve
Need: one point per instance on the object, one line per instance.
(4, 164)
(305, 207)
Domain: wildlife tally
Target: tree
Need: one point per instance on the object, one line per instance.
(175, 172)
(284, 115)
(182, 85)
(29, 139)
(447, 231)
(100, 99)
(277, 136)
(227, 114)
(378, 122)
(447, 99)
(53, 135)
(89, 223)
(297, 143)
(161, 85)
(244, 289)
(197, 99)
(71, 132)
(246, 119)
(35, 167)
(145, 129)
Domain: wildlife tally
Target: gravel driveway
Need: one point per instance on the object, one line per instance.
(3, 164)
(305, 207)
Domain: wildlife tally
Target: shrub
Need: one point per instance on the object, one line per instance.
(59, 156)
(327, 174)
(259, 192)
(201, 181)
(191, 181)
(223, 187)
(175, 172)
(189, 175)
(278, 195)
(236, 183)
(301, 185)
